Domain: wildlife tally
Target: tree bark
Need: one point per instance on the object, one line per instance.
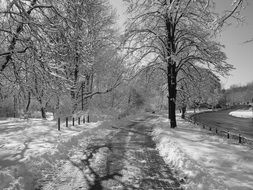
(172, 85)
(74, 88)
(171, 70)
(15, 106)
(172, 97)
(43, 112)
(169, 86)
(82, 96)
(183, 112)
(42, 109)
(28, 102)
(57, 107)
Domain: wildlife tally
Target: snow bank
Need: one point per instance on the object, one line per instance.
(202, 160)
(242, 113)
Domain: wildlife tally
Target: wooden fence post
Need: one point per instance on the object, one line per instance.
(78, 120)
(83, 118)
(73, 121)
(240, 138)
(88, 119)
(59, 124)
(67, 121)
(228, 134)
(210, 128)
(216, 130)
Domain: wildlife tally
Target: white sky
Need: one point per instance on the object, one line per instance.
(239, 54)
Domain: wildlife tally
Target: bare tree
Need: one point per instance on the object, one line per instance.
(174, 35)
(78, 44)
(59, 45)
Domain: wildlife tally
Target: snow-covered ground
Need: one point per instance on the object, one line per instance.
(203, 160)
(20, 139)
(242, 113)
(24, 140)
(191, 111)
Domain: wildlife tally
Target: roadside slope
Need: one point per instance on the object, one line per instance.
(204, 160)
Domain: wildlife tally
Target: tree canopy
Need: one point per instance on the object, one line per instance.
(175, 37)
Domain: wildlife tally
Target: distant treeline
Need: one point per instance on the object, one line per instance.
(239, 94)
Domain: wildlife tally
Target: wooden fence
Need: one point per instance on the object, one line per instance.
(223, 132)
(74, 120)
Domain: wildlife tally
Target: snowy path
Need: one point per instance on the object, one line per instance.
(119, 156)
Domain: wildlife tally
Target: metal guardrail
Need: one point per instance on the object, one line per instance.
(223, 132)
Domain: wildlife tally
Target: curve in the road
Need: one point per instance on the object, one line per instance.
(222, 120)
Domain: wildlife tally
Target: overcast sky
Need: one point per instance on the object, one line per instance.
(239, 54)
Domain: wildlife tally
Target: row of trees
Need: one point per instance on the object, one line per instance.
(239, 94)
(62, 53)
(58, 53)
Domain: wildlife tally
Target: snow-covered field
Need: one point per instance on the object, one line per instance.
(23, 140)
(203, 160)
(20, 139)
(242, 113)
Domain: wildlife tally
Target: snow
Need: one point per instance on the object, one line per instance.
(33, 142)
(203, 160)
(75, 173)
(130, 172)
(191, 111)
(242, 113)
(33, 137)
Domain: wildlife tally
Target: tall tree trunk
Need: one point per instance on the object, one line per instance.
(57, 107)
(172, 96)
(83, 84)
(28, 102)
(172, 90)
(183, 112)
(42, 109)
(15, 106)
(74, 88)
(169, 86)
(88, 87)
(161, 101)
(43, 112)
(171, 70)
(91, 80)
